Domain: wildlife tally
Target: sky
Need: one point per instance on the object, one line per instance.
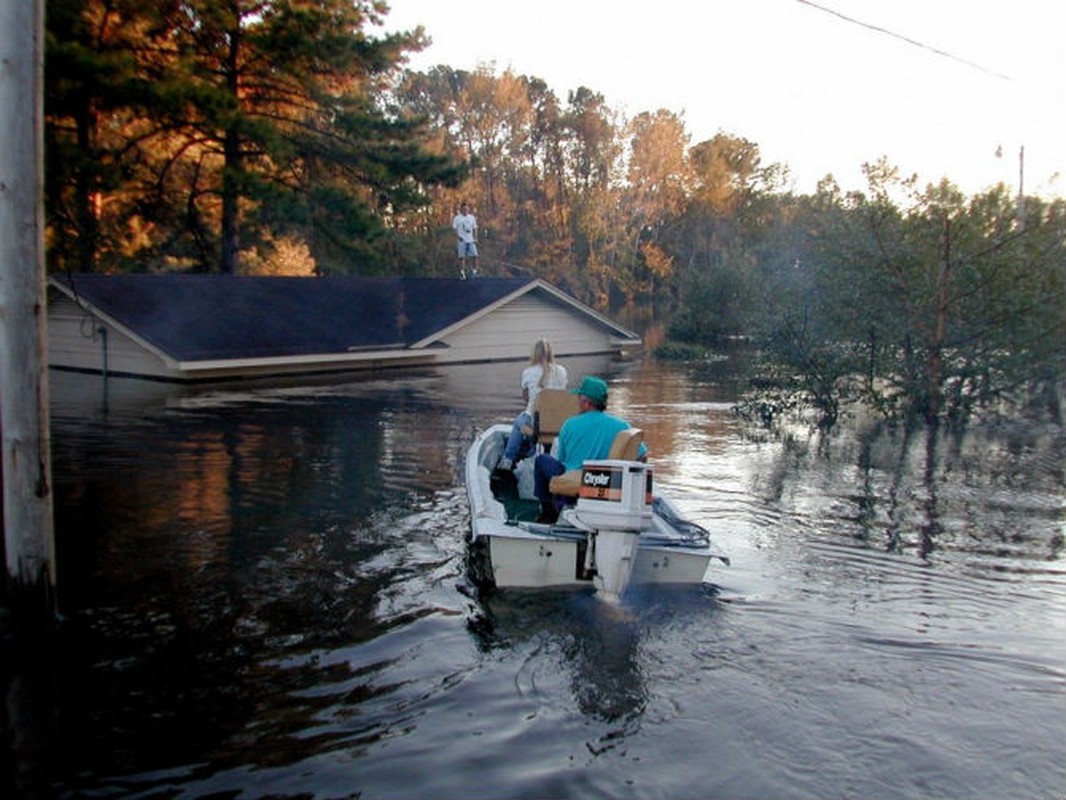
(936, 86)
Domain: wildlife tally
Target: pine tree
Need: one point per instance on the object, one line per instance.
(232, 121)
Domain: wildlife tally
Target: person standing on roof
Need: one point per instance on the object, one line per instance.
(465, 227)
(542, 373)
(588, 436)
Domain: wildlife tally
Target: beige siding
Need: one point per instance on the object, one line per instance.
(509, 332)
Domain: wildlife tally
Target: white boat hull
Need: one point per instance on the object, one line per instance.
(669, 550)
(531, 563)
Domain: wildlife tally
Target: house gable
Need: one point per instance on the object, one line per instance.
(508, 331)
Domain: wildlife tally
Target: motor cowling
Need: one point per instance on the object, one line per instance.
(615, 495)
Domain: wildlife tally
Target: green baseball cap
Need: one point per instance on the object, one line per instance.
(593, 388)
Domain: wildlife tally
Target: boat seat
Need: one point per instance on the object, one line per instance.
(624, 448)
(552, 409)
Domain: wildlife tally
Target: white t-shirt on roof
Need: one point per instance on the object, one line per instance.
(465, 226)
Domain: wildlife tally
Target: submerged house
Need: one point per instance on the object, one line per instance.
(212, 327)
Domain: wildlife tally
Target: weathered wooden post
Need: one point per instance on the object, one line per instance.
(25, 470)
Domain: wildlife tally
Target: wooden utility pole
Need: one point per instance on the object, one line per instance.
(25, 469)
(1021, 187)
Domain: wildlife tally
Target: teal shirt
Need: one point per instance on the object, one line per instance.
(589, 436)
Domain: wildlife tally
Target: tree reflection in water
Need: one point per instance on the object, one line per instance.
(925, 488)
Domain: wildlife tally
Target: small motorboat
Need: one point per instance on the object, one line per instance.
(618, 534)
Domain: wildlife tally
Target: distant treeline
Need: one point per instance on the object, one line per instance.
(285, 137)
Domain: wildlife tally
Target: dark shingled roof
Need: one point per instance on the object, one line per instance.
(202, 317)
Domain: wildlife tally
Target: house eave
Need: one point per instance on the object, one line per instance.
(361, 359)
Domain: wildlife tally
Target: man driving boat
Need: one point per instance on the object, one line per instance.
(584, 437)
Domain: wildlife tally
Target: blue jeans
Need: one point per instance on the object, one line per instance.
(545, 468)
(514, 441)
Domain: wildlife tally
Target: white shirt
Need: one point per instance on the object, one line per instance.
(465, 226)
(557, 379)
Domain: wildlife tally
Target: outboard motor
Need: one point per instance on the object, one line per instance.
(614, 506)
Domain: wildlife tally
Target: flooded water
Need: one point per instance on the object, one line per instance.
(265, 596)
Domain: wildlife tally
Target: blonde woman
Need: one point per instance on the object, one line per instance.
(542, 373)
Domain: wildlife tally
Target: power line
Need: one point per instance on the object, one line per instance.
(906, 39)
